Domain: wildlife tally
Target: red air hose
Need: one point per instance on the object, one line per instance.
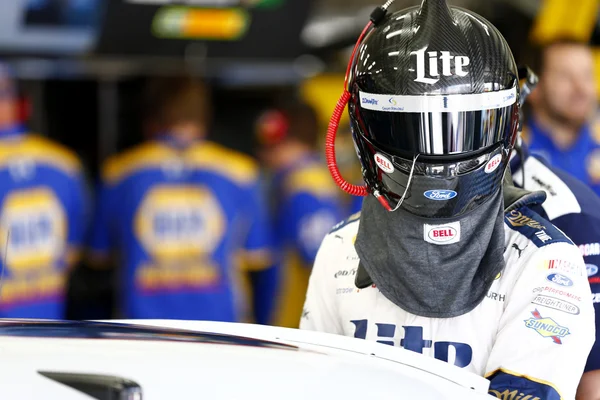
(334, 124)
(346, 186)
(355, 190)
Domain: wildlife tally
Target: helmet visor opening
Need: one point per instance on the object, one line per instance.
(405, 131)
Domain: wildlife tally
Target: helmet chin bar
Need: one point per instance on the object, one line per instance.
(376, 16)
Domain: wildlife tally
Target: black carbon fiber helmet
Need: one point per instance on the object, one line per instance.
(434, 109)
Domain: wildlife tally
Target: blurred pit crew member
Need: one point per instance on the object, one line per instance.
(446, 258)
(179, 211)
(43, 213)
(563, 106)
(575, 209)
(306, 202)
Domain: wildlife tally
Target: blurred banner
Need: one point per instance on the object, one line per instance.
(233, 29)
(561, 19)
(48, 26)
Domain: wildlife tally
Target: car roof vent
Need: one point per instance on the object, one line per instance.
(100, 387)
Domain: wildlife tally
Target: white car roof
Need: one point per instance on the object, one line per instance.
(209, 360)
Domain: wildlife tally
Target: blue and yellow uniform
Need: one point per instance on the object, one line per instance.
(179, 219)
(581, 160)
(43, 217)
(308, 206)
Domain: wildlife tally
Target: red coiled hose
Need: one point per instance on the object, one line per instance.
(334, 124)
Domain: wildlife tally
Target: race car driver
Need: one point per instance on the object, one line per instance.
(446, 258)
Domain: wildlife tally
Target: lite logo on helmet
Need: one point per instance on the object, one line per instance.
(440, 194)
(451, 65)
(383, 163)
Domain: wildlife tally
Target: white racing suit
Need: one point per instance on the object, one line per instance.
(530, 336)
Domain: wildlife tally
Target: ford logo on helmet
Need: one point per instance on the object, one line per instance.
(560, 280)
(440, 194)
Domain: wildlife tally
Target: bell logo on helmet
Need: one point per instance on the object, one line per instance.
(383, 163)
(493, 164)
(447, 63)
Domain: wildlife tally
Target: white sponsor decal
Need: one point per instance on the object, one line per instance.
(557, 304)
(543, 236)
(442, 234)
(384, 163)
(438, 103)
(590, 249)
(557, 292)
(448, 61)
(565, 267)
(493, 164)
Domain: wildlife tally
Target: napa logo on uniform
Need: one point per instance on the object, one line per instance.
(440, 195)
(37, 223)
(547, 327)
(560, 280)
(176, 222)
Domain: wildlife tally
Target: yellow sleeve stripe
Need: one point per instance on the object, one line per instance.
(314, 180)
(148, 155)
(236, 166)
(42, 151)
(518, 375)
(596, 53)
(208, 156)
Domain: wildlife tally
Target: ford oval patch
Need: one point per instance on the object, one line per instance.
(440, 194)
(560, 280)
(591, 269)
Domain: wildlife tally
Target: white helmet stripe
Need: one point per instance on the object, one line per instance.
(438, 103)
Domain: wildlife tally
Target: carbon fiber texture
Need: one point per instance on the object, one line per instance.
(386, 64)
